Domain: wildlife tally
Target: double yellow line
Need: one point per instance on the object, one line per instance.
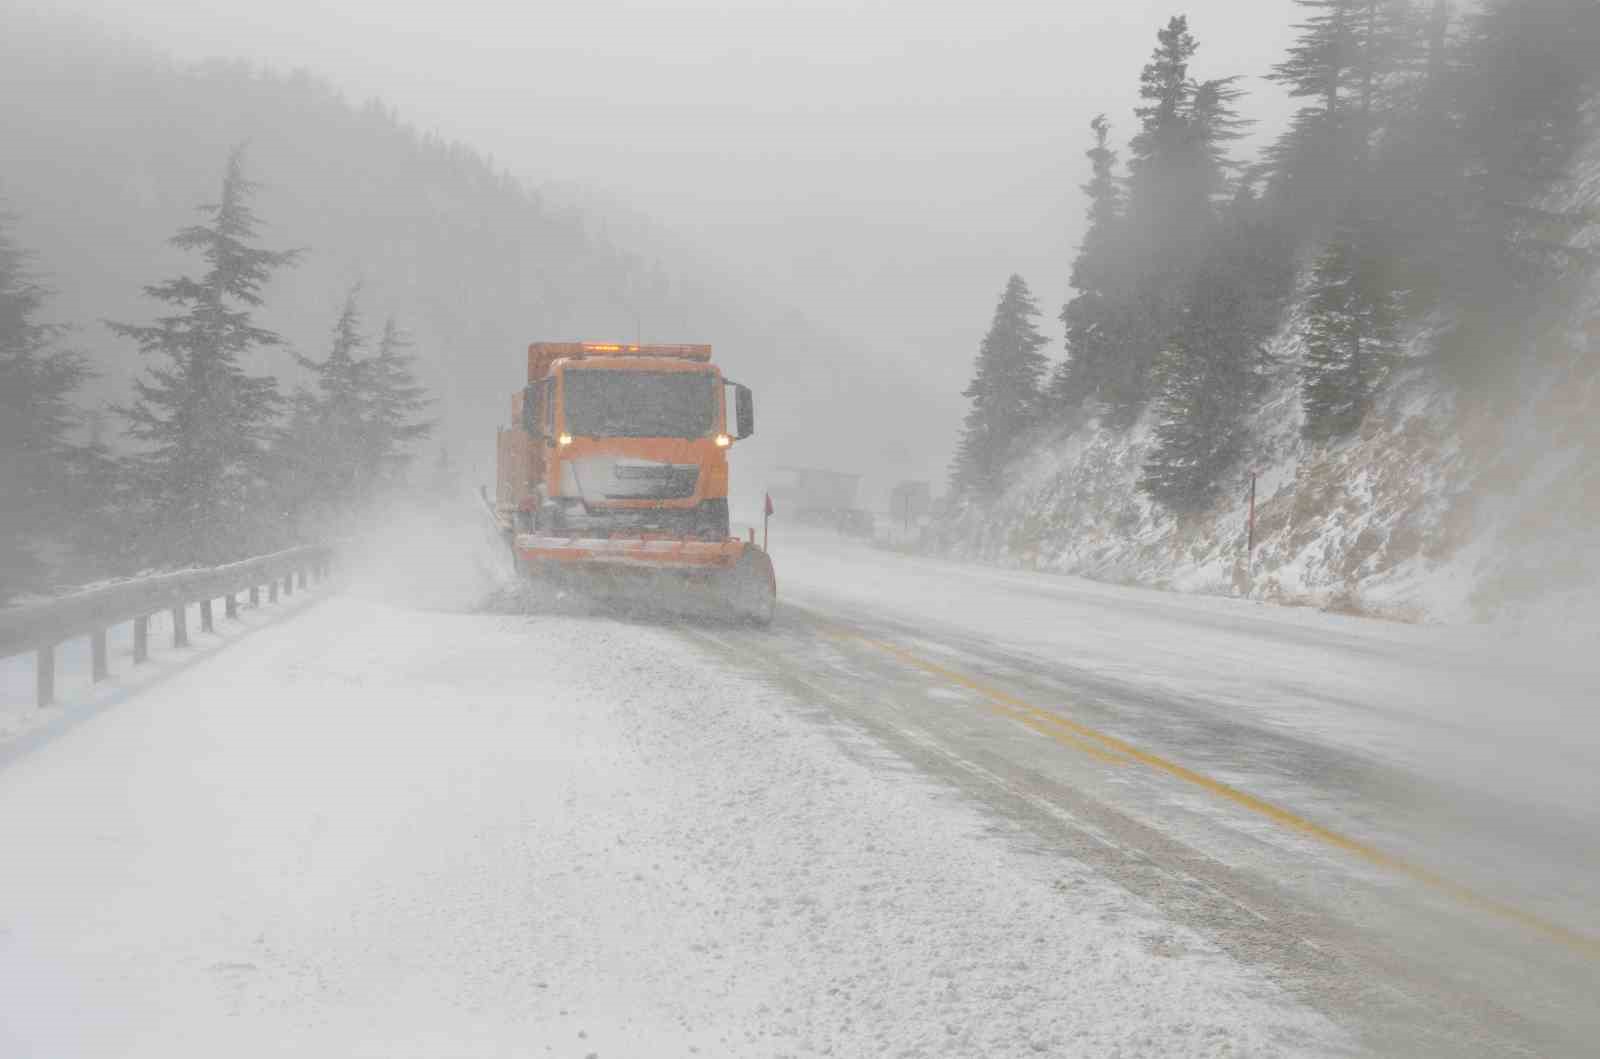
(1111, 750)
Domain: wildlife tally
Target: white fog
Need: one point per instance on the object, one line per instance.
(774, 529)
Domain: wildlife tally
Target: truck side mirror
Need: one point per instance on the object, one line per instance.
(744, 411)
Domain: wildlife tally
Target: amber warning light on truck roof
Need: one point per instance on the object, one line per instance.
(541, 355)
(688, 352)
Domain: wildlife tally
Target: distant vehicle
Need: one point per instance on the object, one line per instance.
(854, 522)
(616, 464)
(815, 496)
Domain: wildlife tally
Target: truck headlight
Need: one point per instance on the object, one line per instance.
(723, 441)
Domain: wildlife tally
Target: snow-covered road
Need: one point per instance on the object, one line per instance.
(397, 823)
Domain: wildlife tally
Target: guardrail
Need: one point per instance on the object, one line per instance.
(43, 627)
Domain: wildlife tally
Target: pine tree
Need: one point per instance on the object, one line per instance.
(295, 469)
(1418, 182)
(1178, 171)
(318, 456)
(1533, 68)
(394, 402)
(1178, 159)
(38, 461)
(1205, 388)
(1004, 392)
(348, 436)
(1094, 332)
(1350, 342)
(1345, 59)
(1095, 267)
(1213, 124)
(203, 420)
(1321, 63)
(1311, 160)
(1496, 254)
(1210, 374)
(1163, 196)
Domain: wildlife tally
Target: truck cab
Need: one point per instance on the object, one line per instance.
(612, 440)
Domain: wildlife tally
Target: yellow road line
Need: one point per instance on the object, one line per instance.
(1006, 703)
(1572, 938)
(1039, 722)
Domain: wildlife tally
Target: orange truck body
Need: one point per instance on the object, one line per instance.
(611, 490)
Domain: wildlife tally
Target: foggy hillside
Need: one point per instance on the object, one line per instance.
(110, 146)
(1397, 336)
(1442, 508)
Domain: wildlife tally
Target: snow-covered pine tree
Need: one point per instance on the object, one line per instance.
(1095, 330)
(204, 421)
(393, 403)
(38, 461)
(1210, 374)
(1004, 392)
(1351, 325)
(1197, 433)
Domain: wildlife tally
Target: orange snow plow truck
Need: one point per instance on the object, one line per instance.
(613, 477)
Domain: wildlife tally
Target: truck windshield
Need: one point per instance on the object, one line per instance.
(639, 404)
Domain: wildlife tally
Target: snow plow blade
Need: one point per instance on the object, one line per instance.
(664, 554)
(727, 578)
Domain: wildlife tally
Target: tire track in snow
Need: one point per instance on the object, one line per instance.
(1402, 1005)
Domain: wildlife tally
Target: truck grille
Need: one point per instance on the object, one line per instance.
(652, 481)
(706, 521)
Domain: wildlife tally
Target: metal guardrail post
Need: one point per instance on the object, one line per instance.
(272, 591)
(46, 673)
(230, 605)
(180, 625)
(141, 638)
(97, 647)
(255, 595)
(206, 623)
(288, 584)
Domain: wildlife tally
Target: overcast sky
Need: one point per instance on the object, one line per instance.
(882, 165)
